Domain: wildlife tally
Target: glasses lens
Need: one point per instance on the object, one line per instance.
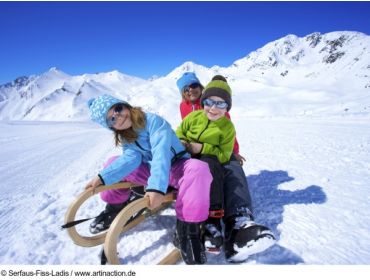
(219, 104)
(118, 108)
(111, 121)
(208, 102)
(192, 86)
(195, 85)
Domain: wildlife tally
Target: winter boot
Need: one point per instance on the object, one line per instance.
(105, 218)
(243, 237)
(213, 239)
(188, 238)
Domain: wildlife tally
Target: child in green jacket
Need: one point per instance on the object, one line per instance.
(209, 136)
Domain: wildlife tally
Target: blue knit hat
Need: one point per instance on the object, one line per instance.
(187, 79)
(100, 106)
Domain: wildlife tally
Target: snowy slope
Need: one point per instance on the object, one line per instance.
(308, 178)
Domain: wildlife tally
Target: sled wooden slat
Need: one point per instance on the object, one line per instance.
(172, 258)
(88, 241)
(110, 244)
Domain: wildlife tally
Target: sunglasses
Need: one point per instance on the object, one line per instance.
(192, 86)
(116, 110)
(219, 104)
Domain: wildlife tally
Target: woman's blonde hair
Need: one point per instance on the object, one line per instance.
(130, 135)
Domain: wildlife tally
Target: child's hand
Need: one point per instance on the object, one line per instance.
(195, 148)
(155, 199)
(94, 183)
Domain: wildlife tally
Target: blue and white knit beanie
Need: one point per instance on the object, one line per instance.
(187, 79)
(100, 106)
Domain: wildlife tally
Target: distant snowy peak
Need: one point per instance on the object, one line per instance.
(55, 95)
(316, 47)
(187, 66)
(113, 76)
(203, 73)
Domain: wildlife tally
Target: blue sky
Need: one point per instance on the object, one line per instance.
(152, 38)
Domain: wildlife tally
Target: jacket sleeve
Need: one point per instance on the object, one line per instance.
(160, 135)
(182, 129)
(224, 150)
(236, 147)
(121, 167)
(183, 110)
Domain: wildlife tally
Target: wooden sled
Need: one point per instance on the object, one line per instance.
(110, 245)
(88, 241)
(118, 226)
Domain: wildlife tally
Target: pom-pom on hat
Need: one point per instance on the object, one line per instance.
(218, 87)
(187, 79)
(219, 78)
(100, 106)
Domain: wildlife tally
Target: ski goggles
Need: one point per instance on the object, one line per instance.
(192, 86)
(117, 109)
(219, 104)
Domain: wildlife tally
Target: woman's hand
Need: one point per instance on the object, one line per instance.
(240, 159)
(94, 183)
(195, 148)
(155, 199)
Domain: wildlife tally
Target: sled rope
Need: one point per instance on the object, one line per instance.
(74, 223)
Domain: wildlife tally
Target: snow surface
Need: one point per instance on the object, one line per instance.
(309, 180)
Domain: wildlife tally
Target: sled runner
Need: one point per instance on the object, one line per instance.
(111, 240)
(122, 223)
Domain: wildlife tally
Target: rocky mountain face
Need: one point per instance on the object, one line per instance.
(311, 56)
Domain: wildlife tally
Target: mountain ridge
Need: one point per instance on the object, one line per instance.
(308, 71)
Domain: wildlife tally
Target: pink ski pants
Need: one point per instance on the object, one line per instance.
(191, 178)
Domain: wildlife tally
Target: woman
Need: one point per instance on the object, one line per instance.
(242, 235)
(153, 156)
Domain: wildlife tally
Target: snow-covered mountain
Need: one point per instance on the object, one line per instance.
(317, 75)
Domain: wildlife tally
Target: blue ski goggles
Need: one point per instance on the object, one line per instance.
(219, 104)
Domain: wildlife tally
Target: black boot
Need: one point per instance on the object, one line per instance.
(188, 240)
(106, 217)
(213, 239)
(243, 237)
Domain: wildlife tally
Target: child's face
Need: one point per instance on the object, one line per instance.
(213, 112)
(119, 118)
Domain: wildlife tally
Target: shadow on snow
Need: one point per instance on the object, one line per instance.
(268, 208)
(268, 203)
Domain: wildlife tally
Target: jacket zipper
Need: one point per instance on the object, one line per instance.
(203, 130)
